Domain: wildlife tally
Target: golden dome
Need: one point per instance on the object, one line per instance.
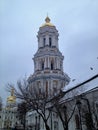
(12, 98)
(47, 23)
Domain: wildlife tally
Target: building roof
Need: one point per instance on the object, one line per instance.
(88, 85)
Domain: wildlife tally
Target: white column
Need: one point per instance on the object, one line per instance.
(34, 66)
(47, 40)
(49, 88)
(56, 40)
(48, 63)
(57, 63)
(52, 87)
(45, 62)
(37, 64)
(54, 63)
(53, 41)
(41, 42)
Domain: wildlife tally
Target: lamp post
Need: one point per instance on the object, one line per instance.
(78, 103)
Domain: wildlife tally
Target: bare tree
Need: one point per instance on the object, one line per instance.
(84, 107)
(39, 101)
(95, 114)
(35, 98)
(22, 110)
(94, 108)
(90, 115)
(62, 111)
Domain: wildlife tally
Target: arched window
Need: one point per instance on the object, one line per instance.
(50, 41)
(42, 65)
(52, 66)
(44, 41)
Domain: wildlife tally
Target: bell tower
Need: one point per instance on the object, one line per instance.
(48, 35)
(48, 61)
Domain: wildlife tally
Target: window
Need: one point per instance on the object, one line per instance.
(50, 41)
(42, 65)
(44, 41)
(51, 65)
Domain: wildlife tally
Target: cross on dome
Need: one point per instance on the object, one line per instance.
(47, 19)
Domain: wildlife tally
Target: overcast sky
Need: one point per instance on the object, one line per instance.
(77, 23)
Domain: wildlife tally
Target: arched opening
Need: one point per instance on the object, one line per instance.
(44, 41)
(50, 41)
(42, 65)
(52, 65)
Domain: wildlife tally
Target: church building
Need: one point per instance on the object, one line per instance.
(8, 114)
(48, 70)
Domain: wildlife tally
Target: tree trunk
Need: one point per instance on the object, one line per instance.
(47, 126)
(65, 127)
(89, 121)
(24, 122)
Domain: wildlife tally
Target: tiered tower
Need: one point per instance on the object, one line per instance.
(48, 61)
